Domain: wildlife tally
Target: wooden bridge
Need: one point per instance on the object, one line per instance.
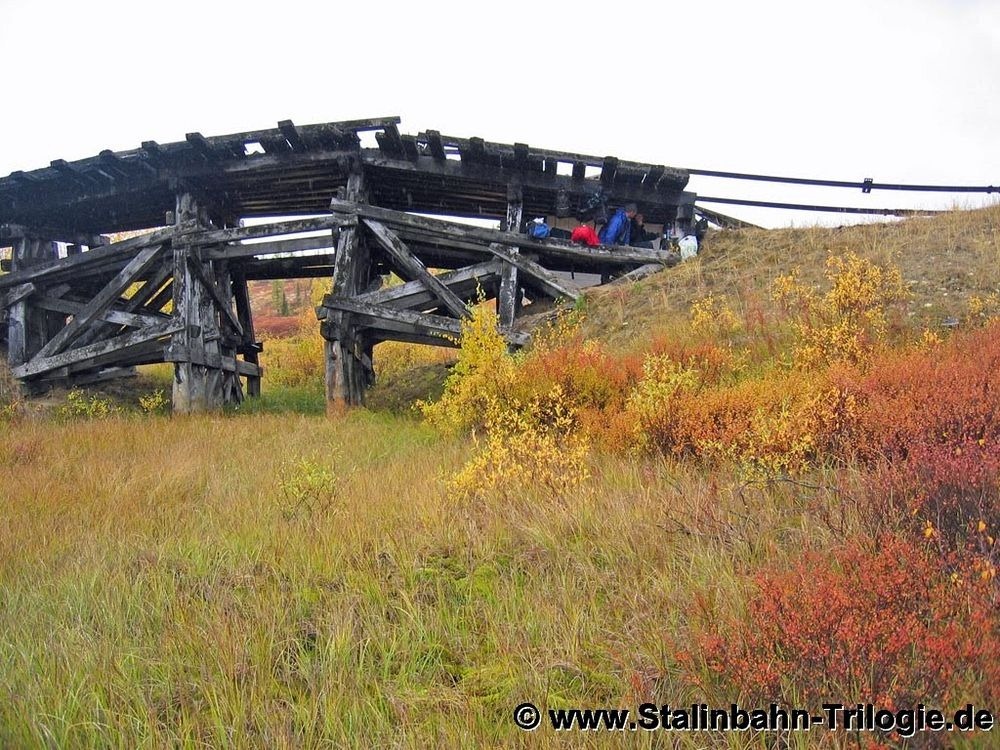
(81, 308)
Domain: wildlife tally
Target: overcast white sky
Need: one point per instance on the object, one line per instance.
(901, 91)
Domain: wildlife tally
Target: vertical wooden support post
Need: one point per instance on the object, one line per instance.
(347, 360)
(250, 348)
(509, 297)
(17, 316)
(195, 348)
(29, 328)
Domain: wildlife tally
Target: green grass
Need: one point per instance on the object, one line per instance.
(163, 587)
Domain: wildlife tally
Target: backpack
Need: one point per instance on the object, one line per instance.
(538, 229)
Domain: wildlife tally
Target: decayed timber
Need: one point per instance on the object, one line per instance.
(84, 262)
(412, 269)
(93, 352)
(509, 296)
(345, 350)
(93, 309)
(414, 295)
(443, 331)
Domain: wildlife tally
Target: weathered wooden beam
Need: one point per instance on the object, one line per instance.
(81, 264)
(16, 294)
(415, 295)
(273, 229)
(73, 172)
(345, 373)
(412, 269)
(510, 292)
(291, 133)
(119, 317)
(435, 145)
(249, 347)
(544, 279)
(390, 142)
(300, 267)
(200, 145)
(479, 175)
(387, 319)
(116, 346)
(102, 301)
(251, 250)
(608, 171)
(615, 255)
(17, 231)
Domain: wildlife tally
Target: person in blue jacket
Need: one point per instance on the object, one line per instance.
(618, 230)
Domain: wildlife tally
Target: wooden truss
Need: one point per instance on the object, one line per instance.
(179, 294)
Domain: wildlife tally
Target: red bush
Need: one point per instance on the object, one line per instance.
(858, 626)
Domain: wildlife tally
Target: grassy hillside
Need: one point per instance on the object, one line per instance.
(701, 492)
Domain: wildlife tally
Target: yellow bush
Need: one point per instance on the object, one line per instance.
(653, 403)
(529, 448)
(713, 317)
(849, 322)
(484, 374)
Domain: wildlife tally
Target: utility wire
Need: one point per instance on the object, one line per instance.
(829, 209)
(866, 186)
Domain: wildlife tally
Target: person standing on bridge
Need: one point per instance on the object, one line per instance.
(618, 230)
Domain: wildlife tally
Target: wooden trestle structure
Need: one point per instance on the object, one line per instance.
(81, 308)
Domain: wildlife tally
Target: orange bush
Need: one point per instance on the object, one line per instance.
(855, 625)
(947, 395)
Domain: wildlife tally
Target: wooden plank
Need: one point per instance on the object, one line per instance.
(411, 266)
(119, 317)
(291, 134)
(254, 249)
(249, 347)
(415, 295)
(389, 141)
(544, 279)
(17, 231)
(200, 145)
(119, 344)
(102, 301)
(653, 176)
(273, 229)
(609, 168)
(136, 302)
(345, 376)
(84, 262)
(387, 319)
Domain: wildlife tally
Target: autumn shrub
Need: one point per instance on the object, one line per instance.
(81, 405)
(947, 395)
(484, 375)
(853, 625)
(850, 321)
(586, 372)
(530, 448)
